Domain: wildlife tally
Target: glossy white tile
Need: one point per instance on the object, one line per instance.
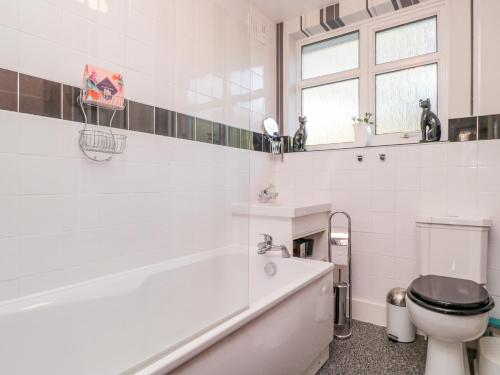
(9, 45)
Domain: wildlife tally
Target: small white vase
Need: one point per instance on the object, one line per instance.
(363, 134)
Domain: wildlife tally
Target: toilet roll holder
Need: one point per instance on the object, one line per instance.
(342, 290)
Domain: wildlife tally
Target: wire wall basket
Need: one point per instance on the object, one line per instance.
(101, 141)
(96, 144)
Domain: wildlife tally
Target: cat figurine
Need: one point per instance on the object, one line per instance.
(300, 137)
(429, 123)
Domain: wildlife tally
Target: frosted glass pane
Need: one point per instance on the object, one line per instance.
(329, 109)
(330, 56)
(413, 39)
(397, 95)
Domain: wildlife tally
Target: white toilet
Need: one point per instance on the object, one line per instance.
(448, 302)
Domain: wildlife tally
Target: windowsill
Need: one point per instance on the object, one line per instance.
(350, 146)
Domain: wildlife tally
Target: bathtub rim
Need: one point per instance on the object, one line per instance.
(163, 364)
(11, 305)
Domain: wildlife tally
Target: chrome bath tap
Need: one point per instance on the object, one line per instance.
(267, 245)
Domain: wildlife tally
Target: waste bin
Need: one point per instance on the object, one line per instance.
(489, 356)
(399, 326)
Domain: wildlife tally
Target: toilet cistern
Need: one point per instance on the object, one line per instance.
(448, 301)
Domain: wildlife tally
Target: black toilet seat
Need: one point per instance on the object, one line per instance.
(448, 295)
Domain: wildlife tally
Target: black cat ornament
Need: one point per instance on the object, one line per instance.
(429, 123)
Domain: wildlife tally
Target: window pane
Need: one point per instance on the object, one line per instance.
(413, 39)
(329, 109)
(330, 56)
(397, 95)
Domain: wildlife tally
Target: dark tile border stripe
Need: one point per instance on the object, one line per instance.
(204, 131)
(234, 137)
(186, 126)
(71, 110)
(40, 97)
(279, 75)
(245, 139)
(220, 134)
(474, 128)
(488, 127)
(462, 129)
(8, 90)
(27, 94)
(141, 117)
(120, 120)
(165, 122)
(257, 141)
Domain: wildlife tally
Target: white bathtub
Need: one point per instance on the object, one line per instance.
(286, 330)
(133, 322)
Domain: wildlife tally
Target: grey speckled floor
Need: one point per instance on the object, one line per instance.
(370, 352)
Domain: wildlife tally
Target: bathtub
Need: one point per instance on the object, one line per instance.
(138, 322)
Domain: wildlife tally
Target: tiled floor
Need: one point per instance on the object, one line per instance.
(370, 352)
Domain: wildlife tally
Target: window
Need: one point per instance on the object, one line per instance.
(409, 40)
(397, 92)
(329, 109)
(381, 67)
(330, 103)
(330, 56)
(397, 96)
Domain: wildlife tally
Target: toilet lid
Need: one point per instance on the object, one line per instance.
(449, 292)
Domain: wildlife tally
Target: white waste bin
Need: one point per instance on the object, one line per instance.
(399, 326)
(489, 356)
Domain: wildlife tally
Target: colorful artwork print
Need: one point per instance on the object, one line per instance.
(102, 87)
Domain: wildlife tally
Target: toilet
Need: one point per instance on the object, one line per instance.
(448, 301)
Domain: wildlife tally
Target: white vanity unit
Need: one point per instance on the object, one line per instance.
(286, 223)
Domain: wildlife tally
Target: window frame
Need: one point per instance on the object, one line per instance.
(330, 78)
(368, 69)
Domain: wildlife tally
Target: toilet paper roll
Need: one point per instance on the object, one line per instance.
(339, 255)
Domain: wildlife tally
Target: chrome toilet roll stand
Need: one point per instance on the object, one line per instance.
(342, 290)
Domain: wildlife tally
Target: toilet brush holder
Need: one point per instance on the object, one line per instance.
(341, 320)
(342, 325)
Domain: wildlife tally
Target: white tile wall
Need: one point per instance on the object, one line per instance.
(385, 197)
(64, 219)
(194, 56)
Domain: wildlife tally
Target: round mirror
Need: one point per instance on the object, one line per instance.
(271, 127)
